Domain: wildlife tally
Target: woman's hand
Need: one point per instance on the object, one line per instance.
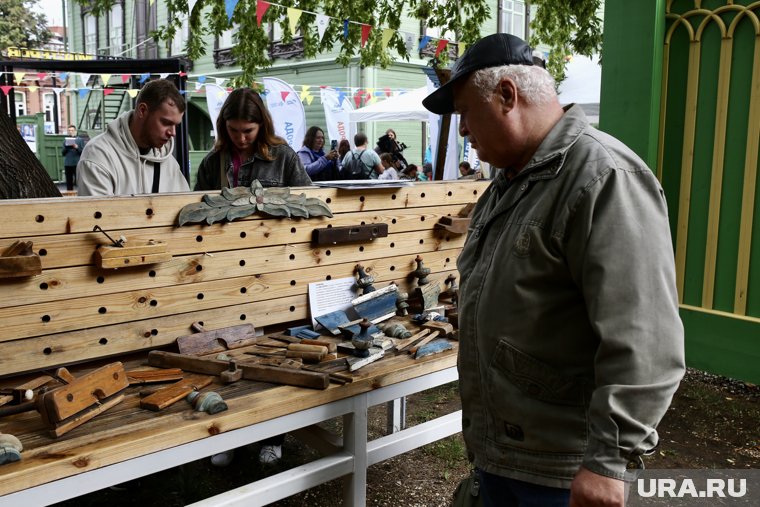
(331, 155)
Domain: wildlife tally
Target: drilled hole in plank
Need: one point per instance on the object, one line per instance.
(103, 341)
(98, 214)
(149, 212)
(243, 234)
(102, 310)
(199, 296)
(46, 318)
(43, 286)
(292, 308)
(199, 238)
(151, 273)
(39, 219)
(100, 279)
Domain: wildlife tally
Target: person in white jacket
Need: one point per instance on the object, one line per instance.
(134, 154)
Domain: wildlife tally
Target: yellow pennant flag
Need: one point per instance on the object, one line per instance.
(105, 78)
(151, 2)
(306, 95)
(33, 89)
(387, 34)
(293, 16)
(132, 93)
(460, 48)
(19, 76)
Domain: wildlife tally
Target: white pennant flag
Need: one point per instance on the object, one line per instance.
(215, 97)
(322, 22)
(220, 81)
(163, 75)
(410, 41)
(84, 78)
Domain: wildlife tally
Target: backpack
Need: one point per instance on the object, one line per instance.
(355, 169)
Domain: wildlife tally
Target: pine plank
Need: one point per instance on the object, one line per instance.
(70, 283)
(77, 249)
(38, 217)
(53, 317)
(52, 350)
(126, 432)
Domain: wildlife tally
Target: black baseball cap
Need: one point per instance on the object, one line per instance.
(492, 51)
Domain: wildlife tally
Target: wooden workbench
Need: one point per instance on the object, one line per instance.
(255, 270)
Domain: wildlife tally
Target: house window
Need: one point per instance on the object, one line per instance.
(512, 17)
(20, 99)
(90, 34)
(48, 103)
(116, 24)
(228, 38)
(436, 32)
(179, 41)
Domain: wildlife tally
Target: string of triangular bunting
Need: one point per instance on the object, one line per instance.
(305, 92)
(323, 20)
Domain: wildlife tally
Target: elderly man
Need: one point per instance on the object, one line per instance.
(134, 154)
(571, 346)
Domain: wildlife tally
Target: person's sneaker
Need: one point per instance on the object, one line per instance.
(270, 454)
(223, 459)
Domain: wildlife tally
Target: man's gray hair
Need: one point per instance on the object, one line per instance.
(534, 84)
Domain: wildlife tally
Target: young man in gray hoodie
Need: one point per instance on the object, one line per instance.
(134, 154)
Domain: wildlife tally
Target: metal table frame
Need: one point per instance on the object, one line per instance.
(351, 459)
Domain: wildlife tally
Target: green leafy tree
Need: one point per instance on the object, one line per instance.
(21, 26)
(567, 27)
(461, 17)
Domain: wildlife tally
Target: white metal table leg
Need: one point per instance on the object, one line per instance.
(355, 444)
(396, 419)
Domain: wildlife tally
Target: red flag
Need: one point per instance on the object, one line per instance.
(358, 98)
(182, 74)
(42, 75)
(387, 92)
(125, 78)
(441, 45)
(261, 9)
(284, 95)
(365, 33)
(6, 89)
(107, 91)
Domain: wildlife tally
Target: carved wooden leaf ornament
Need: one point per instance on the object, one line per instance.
(240, 202)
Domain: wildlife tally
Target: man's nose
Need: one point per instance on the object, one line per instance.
(172, 131)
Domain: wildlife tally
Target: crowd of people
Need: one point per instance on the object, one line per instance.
(134, 154)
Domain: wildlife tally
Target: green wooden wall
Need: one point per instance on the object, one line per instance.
(690, 107)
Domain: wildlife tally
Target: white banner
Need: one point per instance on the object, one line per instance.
(470, 155)
(336, 114)
(287, 111)
(215, 97)
(451, 165)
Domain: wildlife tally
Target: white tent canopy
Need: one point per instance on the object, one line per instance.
(405, 107)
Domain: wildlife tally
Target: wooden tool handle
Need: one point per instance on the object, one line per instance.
(319, 349)
(308, 357)
(331, 346)
(425, 340)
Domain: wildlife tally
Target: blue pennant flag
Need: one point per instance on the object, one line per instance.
(341, 97)
(345, 29)
(83, 92)
(144, 77)
(229, 6)
(201, 79)
(64, 76)
(424, 42)
(182, 92)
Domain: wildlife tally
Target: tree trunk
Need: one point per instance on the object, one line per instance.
(22, 175)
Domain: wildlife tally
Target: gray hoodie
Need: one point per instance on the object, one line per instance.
(111, 164)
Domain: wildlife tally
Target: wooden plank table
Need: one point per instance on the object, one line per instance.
(127, 442)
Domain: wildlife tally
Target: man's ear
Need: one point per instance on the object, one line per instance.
(141, 110)
(507, 90)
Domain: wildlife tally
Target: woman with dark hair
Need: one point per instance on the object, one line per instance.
(320, 166)
(247, 149)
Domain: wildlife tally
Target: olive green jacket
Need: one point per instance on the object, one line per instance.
(571, 345)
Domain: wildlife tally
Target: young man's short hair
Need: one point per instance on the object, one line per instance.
(159, 91)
